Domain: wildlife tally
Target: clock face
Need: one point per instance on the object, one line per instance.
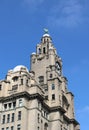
(58, 68)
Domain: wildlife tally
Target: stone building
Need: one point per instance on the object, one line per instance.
(37, 99)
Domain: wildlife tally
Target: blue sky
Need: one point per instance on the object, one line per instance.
(21, 28)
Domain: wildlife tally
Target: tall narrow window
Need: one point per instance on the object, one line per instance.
(12, 127)
(39, 51)
(0, 87)
(3, 119)
(44, 51)
(5, 106)
(27, 82)
(18, 127)
(20, 102)
(53, 96)
(21, 81)
(14, 104)
(9, 105)
(19, 115)
(38, 118)
(8, 118)
(53, 86)
(13, 117)
(7, 128)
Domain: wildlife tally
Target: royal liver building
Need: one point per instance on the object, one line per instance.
(37, 99)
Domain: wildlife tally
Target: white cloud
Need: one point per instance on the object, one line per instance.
(67, 13)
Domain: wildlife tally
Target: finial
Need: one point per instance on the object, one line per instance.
(46, 31)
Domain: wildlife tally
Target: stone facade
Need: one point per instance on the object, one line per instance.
(37, 99)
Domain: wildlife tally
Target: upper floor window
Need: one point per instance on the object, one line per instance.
(53, 96)
(15, 87)
(5, 106)
(13, 116)
(19, 115)
(18, 127)
(12, 127)
(53, 86)
(41, 79)
(15, 78)
(7, 128)
(44, 50)
(8, 118)
(39, 51)
(0, 87)
(14, 104)
(3, 119)
(20, 102)
(21, 81)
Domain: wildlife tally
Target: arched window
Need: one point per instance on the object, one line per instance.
(15, 78)
(39, 51)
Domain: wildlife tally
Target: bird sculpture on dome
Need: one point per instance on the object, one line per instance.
(46, 31)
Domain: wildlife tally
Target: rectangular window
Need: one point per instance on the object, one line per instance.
(9, 105)
(19, 115)
(3, 119)
(8, 118)
(2, 129)
(5, 106)
(15, 87)
(7, 128)
(13, 116)
(53, 96)
(21, 81)
(41, 79)
(53, 86)
(14, 104)
(18, 127)
(38, 118)
(12, 127)
(0, 87)
(20, 102)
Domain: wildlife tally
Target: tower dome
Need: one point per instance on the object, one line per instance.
(19, 68)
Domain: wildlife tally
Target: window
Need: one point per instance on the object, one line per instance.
(13, 117)
(38, 118)
(7, 128)
(2, 129)
(0, 87)
(53, 86)
(12, 127)
(5, 106)
(18, 127)
(15, 78)
(3, 119)
(8, 118)
(19, 115)
(20, 102)
(14, 104)
(27, 82)
(46, 97)
(44, 50)
(51, 75)
(53, 96)
(39, 51)
(15, 87)
(41, 79)
(9, 105)
(21, 81)
(38, 128)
